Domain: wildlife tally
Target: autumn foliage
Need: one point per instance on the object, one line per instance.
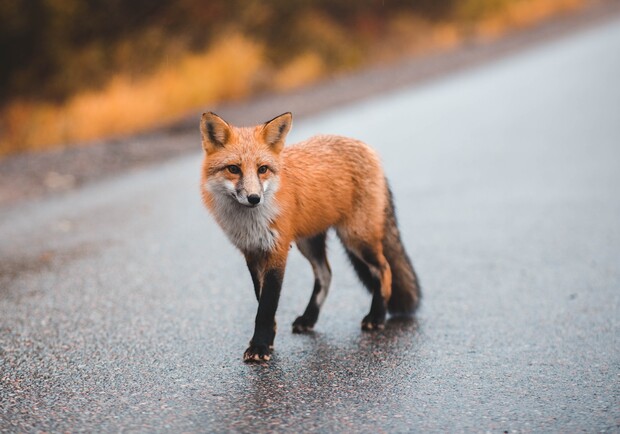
(73, 71)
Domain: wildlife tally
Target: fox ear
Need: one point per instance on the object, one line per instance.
(274, 131)
(215, 132)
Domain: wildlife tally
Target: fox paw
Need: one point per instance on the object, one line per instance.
(370, 323)
(257, 354)
(302, 325)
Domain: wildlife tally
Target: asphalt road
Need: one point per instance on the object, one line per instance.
(124, 308)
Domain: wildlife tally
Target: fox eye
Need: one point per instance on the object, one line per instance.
(262, 169)
(234, 169)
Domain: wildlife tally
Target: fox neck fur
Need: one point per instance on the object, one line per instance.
(249, 229)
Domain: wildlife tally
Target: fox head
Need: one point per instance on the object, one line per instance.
(243, 164)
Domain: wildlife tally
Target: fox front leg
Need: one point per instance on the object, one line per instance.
(265, 324)
(267, 270)
(256, 266)
(257, 271)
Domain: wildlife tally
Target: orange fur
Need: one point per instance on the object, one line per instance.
(266, 196)
(326, 181)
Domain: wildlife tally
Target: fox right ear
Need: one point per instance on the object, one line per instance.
(274, 131)
(215, 132)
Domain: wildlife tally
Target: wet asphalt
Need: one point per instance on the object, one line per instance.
(124, 308)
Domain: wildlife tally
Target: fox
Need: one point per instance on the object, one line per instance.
(266, 196)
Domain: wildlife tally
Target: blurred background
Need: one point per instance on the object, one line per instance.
(75, 71)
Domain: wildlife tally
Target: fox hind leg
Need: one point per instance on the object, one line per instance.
(374, 271)
(313, 249)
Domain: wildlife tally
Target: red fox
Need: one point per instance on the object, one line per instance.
(265, 197)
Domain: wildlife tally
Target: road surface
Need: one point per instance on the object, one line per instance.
(124, 308)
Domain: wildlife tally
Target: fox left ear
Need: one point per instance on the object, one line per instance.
(274, 131)
(215, 132)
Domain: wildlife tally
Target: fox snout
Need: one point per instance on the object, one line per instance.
(249, 191)
(251, 200)
(254, 199)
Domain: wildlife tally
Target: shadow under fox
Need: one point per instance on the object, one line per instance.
(266, 196)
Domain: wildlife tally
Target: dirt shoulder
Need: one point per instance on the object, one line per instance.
(36, 175)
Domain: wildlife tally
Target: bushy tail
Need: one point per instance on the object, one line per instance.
(405, 287)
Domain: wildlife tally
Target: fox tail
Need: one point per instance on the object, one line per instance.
(405, 286)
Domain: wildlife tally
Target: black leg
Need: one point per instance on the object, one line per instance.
(255, 272)
(375, 320)
(314, 250)
(306, 321)
(362, 271)
(369, 269)
(265, 325)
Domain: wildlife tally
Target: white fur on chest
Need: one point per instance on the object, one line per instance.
(247, 228)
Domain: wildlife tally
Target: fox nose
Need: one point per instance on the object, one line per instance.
(254, 199)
